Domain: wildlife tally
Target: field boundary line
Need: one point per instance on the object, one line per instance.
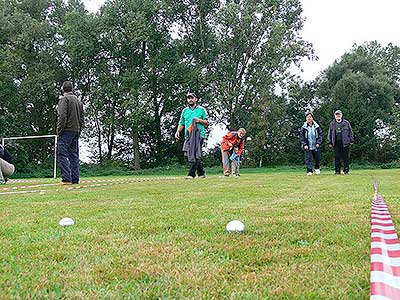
(385, 251)
(96, 183)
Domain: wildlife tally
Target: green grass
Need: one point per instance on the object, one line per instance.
(306, 238)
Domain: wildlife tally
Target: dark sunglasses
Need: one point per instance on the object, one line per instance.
(190, 97)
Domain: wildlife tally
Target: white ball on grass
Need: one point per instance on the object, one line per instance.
(66, 222)
(235, 226)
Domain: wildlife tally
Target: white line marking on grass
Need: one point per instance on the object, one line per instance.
(24, 192)
(122, 180)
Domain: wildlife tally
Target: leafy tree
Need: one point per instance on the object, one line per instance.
(31, 72)
(359, 85)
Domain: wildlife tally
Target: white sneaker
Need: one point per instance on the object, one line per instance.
(309, 173)
(317, 171)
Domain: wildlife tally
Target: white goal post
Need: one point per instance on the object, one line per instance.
(37, 137)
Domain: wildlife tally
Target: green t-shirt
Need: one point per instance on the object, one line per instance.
(187, 117)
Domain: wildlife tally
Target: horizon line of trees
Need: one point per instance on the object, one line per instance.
(134, 61)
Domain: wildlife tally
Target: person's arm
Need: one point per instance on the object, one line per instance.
(330, 135)
(81, 117)
(241, 148)
(181, 125)
(320, 137)
(62, 115)
(7, 157)
(203, 119)
(225, 143)
(178, 131)
(203, 122)
(351, 133)
(303, 138)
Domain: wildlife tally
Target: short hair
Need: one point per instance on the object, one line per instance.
(191, 94)
(310, 113)
(67, 86)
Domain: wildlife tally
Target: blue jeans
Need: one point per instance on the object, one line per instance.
(68, 156)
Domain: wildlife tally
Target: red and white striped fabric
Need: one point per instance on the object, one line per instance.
(385, 252)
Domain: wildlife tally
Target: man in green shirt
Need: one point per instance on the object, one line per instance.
(197, 114)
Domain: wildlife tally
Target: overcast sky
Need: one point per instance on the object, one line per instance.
(333, 27)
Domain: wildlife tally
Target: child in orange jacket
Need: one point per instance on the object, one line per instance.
(232, 146)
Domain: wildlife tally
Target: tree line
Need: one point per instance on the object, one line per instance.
(134, 61)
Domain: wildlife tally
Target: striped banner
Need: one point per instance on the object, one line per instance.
(385, 252)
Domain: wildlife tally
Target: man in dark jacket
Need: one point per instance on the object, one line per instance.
(311, 139)
(6, 165)
(340, 137)
(69, 125)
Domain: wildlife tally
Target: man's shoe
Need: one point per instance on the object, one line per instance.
(189, 177)
(202, 176)
(346, 173)
(309, 173)
(66, 182)
(337, 173)
(317, 171)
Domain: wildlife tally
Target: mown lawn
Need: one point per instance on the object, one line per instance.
(306, 238)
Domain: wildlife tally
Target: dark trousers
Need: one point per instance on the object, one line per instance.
(196, 166)
(342, 153)
(310, 155)
(68, 156)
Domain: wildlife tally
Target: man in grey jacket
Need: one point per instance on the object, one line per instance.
(340, 137)
(69, 125)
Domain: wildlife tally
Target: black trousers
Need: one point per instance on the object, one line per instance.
(310, 154)
(342, 153)
(196, 166)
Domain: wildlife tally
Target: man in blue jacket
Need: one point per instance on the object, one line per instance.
(340, 137)
(311, 139)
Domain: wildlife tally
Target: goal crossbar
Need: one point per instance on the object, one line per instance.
(37, 137)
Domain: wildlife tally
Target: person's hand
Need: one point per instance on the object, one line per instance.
(197, 120)
(230, 144)
(177, 134)
(305, 147)
(317, 145)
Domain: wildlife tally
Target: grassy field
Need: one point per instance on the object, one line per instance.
(164, 238)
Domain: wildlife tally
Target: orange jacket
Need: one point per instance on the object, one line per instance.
(232, 138)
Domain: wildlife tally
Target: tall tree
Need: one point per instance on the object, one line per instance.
(31, 71)
(359, 85)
